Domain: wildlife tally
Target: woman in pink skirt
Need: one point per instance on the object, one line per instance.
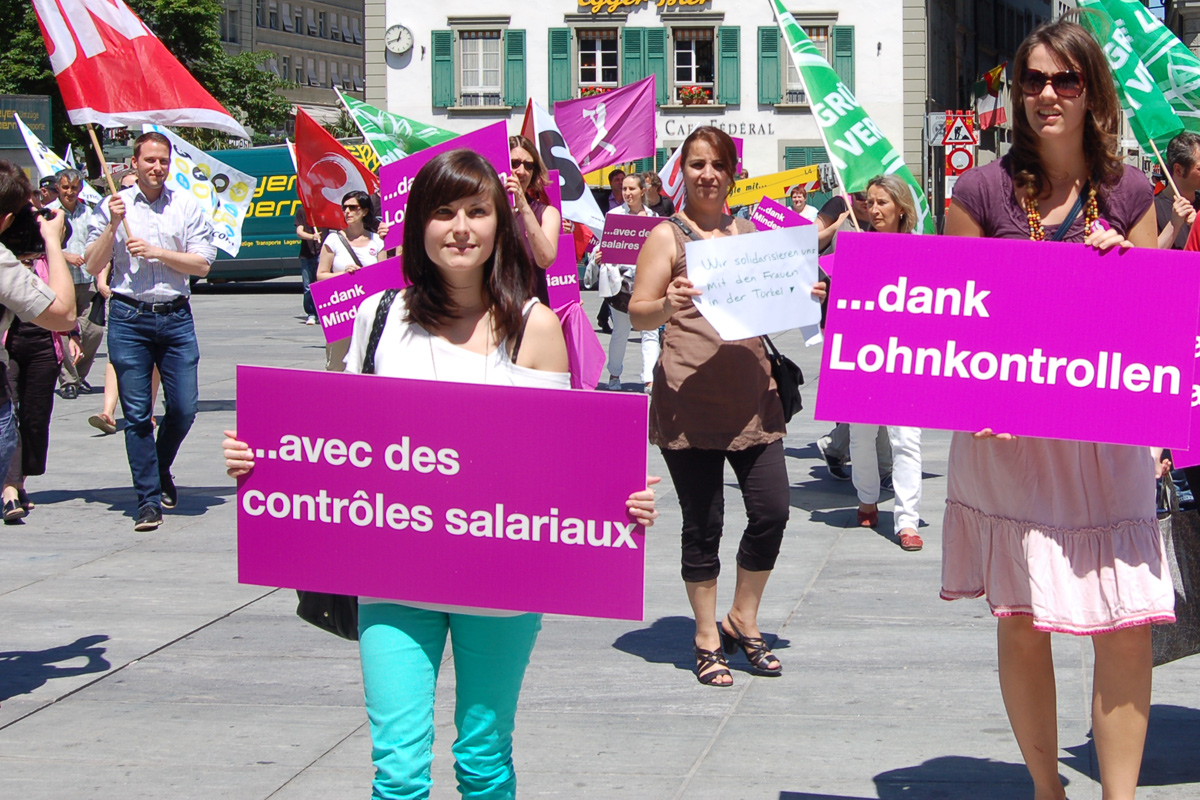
(1061, 536)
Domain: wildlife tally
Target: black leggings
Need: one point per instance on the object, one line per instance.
(698, 476)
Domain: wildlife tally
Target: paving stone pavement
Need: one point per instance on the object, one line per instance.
(134, 665)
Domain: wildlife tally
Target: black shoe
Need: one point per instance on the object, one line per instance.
(170, 495)
(85, 388)
(13, 512)
(24, 500)
(70, 392)
(148, 519)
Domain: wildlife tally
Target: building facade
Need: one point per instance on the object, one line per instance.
(477, 61)
(1183, 18)
(317, 45)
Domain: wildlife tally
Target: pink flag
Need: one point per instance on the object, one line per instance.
(612, 128)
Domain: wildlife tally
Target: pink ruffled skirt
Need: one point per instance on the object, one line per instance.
(1061, 531)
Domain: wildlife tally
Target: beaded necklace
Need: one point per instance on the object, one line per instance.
(1091, 213)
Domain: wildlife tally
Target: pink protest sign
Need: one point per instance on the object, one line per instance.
(395, 179)
(623, 237)
(417, 495)
(562, 278)
(337, 299)
(1030, 338)
(1182, 458)
(769, 215)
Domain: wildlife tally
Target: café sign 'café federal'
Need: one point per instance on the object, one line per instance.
(464, 64)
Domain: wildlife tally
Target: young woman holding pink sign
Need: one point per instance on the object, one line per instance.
(469, 316)
(1061, 536)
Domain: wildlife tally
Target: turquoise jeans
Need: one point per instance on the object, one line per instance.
(401, 651)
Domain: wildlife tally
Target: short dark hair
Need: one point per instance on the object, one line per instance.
(615, 173)
(1182, 151)
(15, 188)
(370, 221)
(150, 136)
(719, 141)
(508, 275)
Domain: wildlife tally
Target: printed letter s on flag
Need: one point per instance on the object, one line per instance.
(550, 143)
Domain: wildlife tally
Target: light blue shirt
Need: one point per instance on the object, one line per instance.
(173, 222)
(80, 220)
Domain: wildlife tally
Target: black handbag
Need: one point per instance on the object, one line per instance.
(98, 313)
(788, 379)
(1181, 540)
(338, 613)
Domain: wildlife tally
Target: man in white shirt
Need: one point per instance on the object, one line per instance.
(157, 240)
(72, 375)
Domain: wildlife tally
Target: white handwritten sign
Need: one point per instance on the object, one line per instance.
(756, 283)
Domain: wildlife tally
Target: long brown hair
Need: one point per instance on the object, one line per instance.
(507, 275)
(1075, 48)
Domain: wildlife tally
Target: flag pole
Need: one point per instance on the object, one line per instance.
(1166, 170)
(112, 187)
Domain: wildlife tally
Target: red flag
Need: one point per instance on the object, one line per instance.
(325, 172)
(114, 72)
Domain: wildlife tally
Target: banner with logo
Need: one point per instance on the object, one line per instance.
(391, 136)
(223, 193)
(578, 205)
(49, 163)
(611, 128)
(325, 172)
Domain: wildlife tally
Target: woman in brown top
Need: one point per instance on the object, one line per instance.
(713, 401)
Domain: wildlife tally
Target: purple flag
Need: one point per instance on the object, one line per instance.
(612, 128)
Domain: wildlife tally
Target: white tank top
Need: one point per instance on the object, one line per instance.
(406, 350)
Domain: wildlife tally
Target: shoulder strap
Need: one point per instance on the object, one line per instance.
(683, 226)
(381, 315)
(1071, 215)
(772, 350)
(521, 331)
(349, 248)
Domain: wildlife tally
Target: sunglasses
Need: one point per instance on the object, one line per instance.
(351, 207)
(1066, 84)
(528, 165)
(860, 196)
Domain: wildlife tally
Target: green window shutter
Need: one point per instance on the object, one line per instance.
(729, 65)
(661, 156)
(633, 55)
(656, 63)
(770, 70)
(795, 157)
(560, 65)
(843, 54)
(442, 44)
(643, 164)
(514, 68)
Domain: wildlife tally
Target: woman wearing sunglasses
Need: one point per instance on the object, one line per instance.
(538, 221)
(355, 246)
(1061, 536)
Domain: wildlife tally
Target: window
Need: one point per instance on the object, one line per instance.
(286, 72)
(598, 58)
(479, 54)
(298, 19)
(695, 62)
(333, 74)
(299, 74)
(356, 27)
(258, 13)
(312, 21)
(335, 32)
(358, 81)
(272, 15)
(793, 88)
(321, 24)
(287, 18)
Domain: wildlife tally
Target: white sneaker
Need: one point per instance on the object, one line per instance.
(614, 384)
(649, 387)
(311, 320)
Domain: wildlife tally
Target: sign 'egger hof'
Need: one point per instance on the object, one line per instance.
(611, 6)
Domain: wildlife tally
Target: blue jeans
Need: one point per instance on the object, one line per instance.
(308, 274)
(137, 342)
(8, 434)
(401, 650)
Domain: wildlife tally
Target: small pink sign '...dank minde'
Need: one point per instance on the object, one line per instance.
(624, 235)
(337, 299)
(418, 496)
(769, 215)
(1029, 338)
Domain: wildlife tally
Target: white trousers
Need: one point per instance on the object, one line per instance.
(620, 339)
(906, 470)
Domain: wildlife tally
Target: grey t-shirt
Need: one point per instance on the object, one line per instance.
(22, 294)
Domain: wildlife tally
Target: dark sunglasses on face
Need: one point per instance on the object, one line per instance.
(1066, 84)
(351, 207)
(528, 165)
(860, 196)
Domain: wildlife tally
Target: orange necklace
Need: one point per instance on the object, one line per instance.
(1091, 213)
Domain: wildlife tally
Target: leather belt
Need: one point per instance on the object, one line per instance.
(153, 308)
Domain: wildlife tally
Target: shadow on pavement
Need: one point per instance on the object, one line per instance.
(23, 671)
(1172, 754)
(944, 778)
(668, 640)
(193, 500)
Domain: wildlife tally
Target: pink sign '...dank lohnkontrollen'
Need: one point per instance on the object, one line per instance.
(416, 495)
(1029, 338)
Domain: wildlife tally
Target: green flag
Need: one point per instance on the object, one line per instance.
(857, 148)
(1175, 69)
(1151, 117)
(392, 136)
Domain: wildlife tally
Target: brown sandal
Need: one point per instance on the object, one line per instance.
(711, 658)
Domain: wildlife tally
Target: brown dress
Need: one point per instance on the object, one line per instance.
(708, 393)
